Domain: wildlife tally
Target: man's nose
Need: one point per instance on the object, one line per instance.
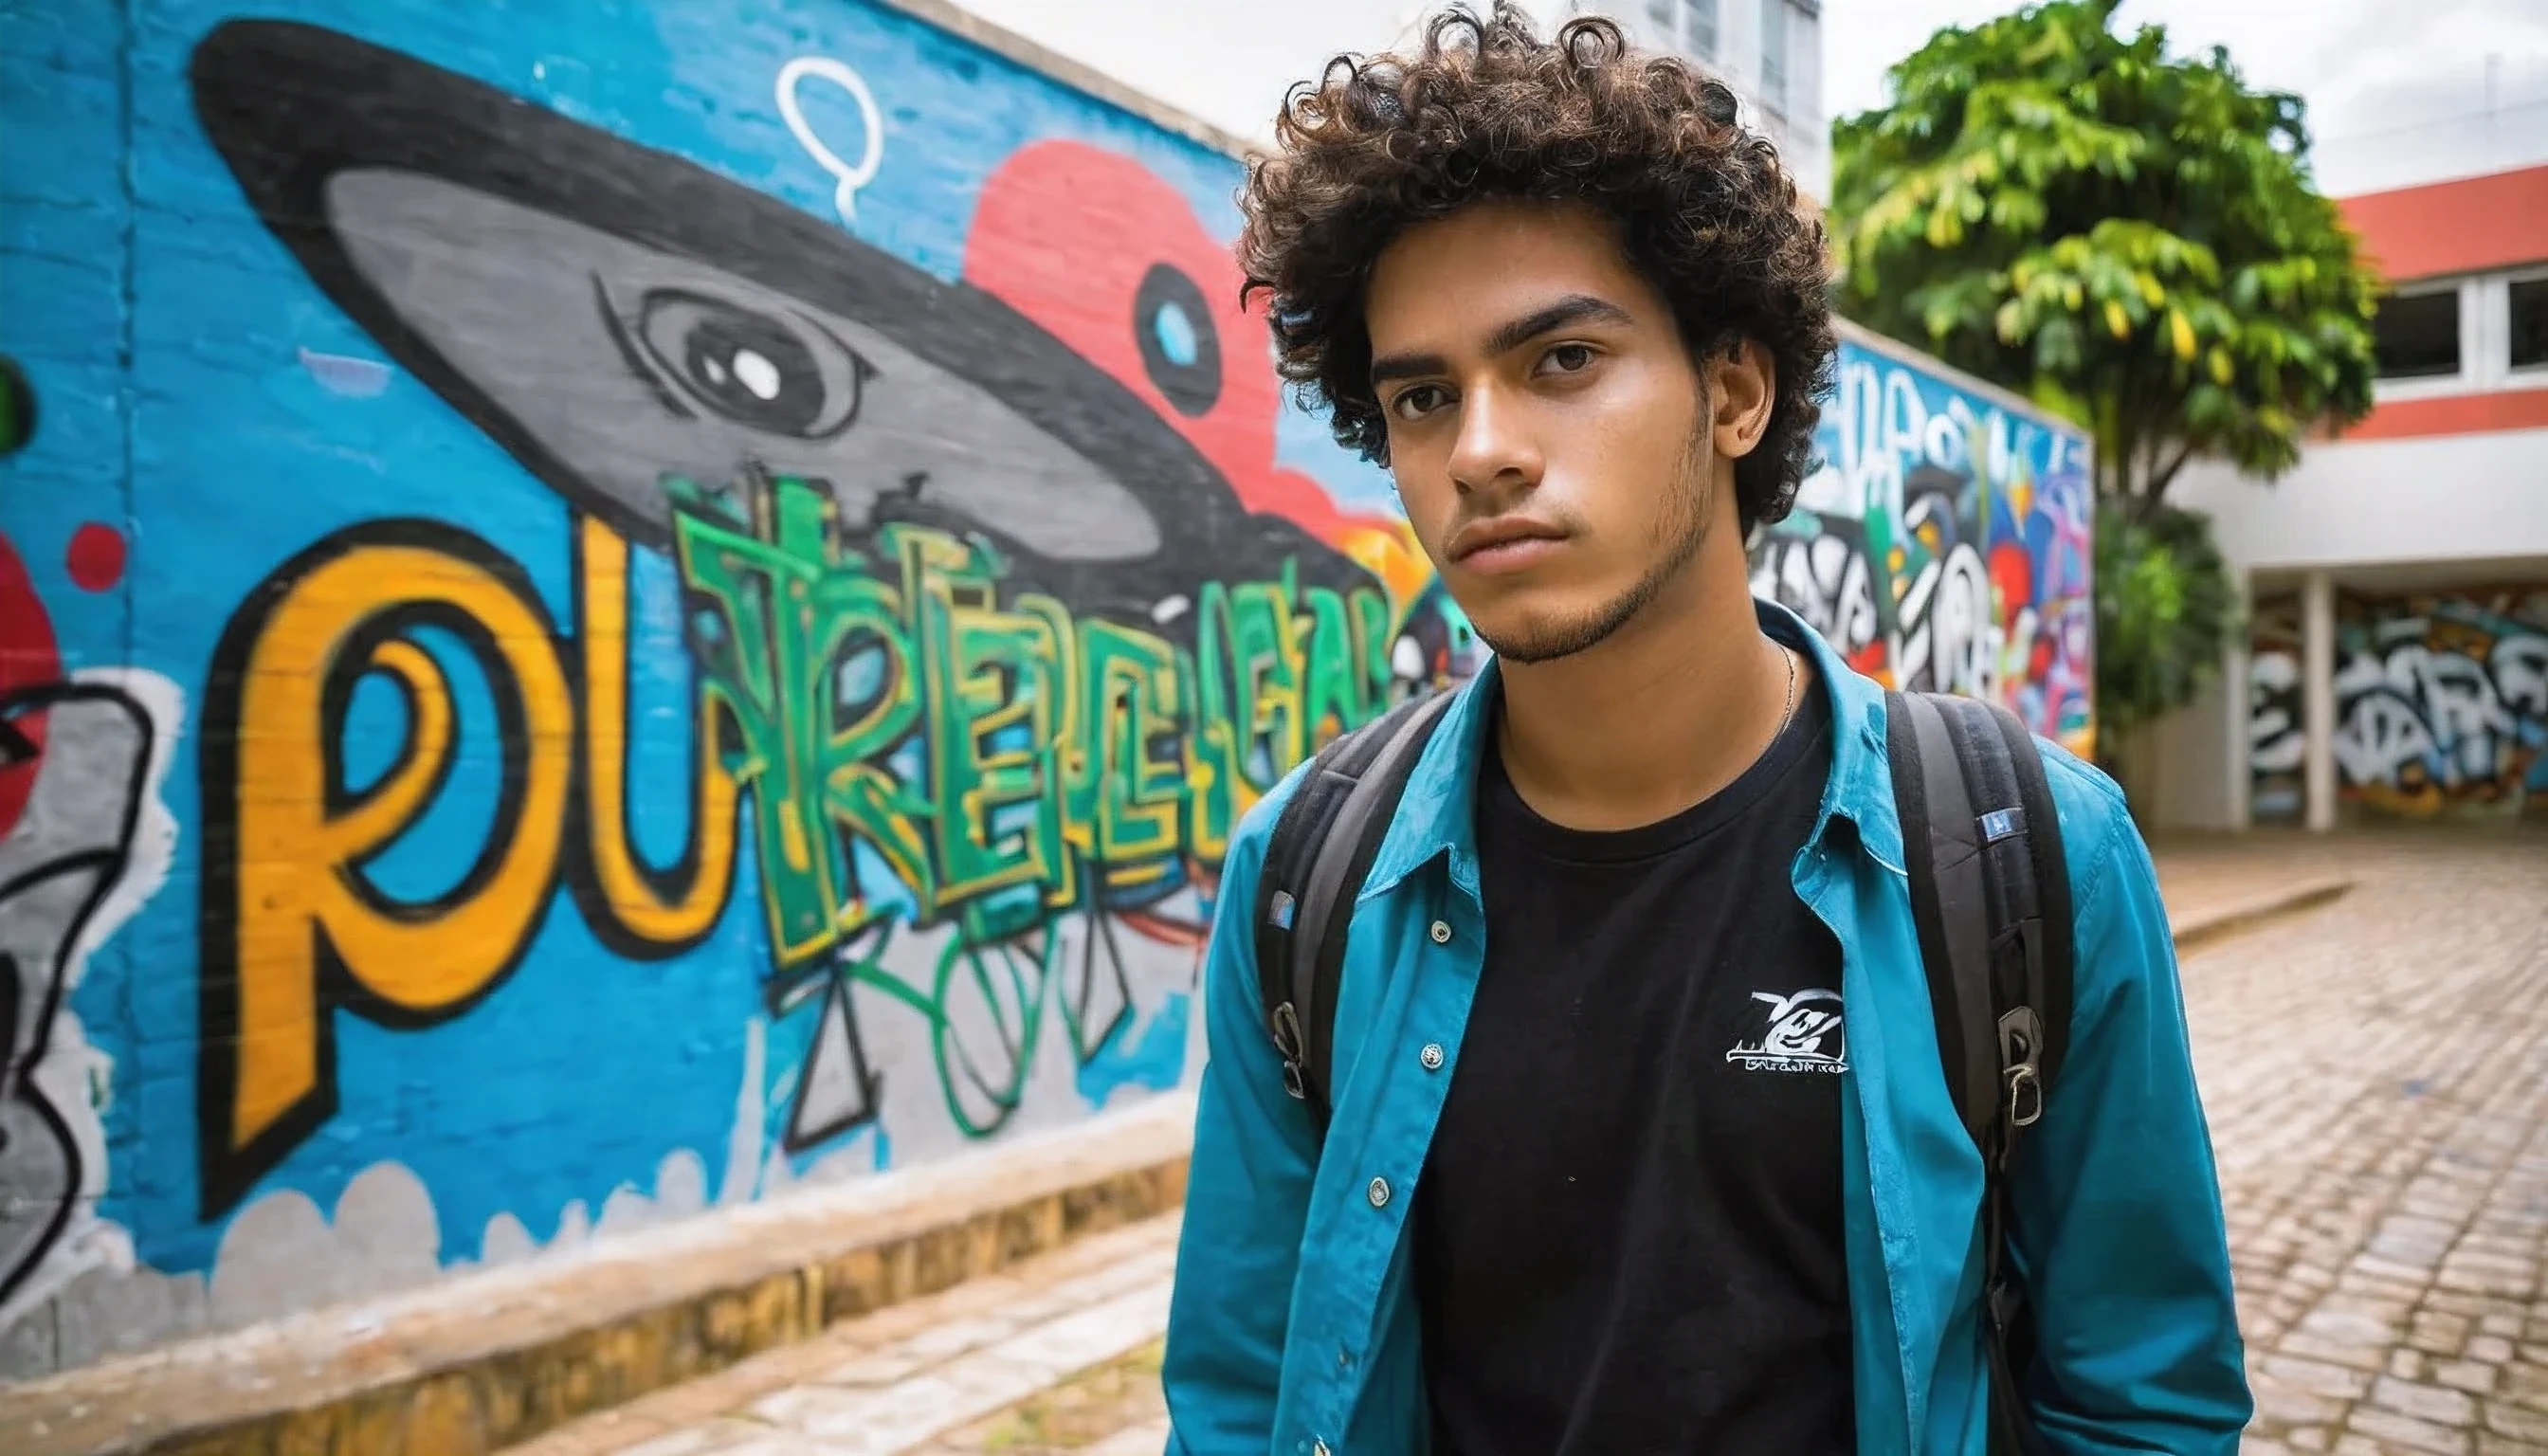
(1497, 450)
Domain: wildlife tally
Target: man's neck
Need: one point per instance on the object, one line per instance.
(1658, 716)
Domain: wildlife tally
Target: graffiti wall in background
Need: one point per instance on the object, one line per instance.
(704, 597)
(620, 612)
(1943, 544)
(2441, 704)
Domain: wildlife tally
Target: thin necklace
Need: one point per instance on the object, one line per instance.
(1788, 711)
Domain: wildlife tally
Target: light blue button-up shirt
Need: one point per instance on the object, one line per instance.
(1293, 1329)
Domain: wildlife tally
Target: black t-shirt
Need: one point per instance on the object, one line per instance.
(1628, 1231)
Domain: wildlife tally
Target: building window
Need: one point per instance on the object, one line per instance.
(2417, 335)
(1699, 28)
(1685, 26)
(2530, 299)
(1774, 56)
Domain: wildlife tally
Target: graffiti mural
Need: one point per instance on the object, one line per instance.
(716, 584)
(84, 841)
(1943, 542)
(726, 607)
(2441, 704)
(992, 648)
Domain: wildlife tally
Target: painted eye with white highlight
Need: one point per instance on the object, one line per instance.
(776, 371)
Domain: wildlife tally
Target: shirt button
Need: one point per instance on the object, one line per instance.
(1441, 932)
(1432, 1057)
(1379, 1193)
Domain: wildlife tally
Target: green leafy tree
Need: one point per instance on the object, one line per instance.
(2132, 238)
(2163, 608)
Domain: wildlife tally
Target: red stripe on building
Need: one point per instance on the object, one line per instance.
(2467, 226)
(2454, 414)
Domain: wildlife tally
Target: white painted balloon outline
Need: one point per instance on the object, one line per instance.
(844, 196)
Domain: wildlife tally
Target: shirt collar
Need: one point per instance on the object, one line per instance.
(1437, 816)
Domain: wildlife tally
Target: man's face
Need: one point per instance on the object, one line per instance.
(1550, 433)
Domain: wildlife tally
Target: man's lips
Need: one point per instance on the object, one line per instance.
(1502, 543)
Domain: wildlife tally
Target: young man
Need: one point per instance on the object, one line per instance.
(1640, 1137)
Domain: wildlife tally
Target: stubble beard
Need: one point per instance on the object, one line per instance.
(1694, 489)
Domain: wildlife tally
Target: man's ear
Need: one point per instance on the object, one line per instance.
(1742, 388)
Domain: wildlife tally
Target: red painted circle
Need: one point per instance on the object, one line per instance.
(28, 657)
(96, 557)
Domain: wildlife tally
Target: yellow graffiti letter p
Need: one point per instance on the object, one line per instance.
(293, 923)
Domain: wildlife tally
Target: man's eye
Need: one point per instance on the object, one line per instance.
(1418, 402)
(1570, 358)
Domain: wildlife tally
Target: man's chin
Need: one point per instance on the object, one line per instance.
(1546, 636)
(1546, 625)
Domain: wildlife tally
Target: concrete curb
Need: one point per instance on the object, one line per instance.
(484, 1361)
(2211, 925)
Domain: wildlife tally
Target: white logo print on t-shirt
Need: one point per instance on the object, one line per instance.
(1804, 1033)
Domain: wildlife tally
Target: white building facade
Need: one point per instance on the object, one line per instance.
(2397, 579)
(1771, 51)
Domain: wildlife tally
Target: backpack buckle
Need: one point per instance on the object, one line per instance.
(2025, 1096)
(2021, 1034)
(1287, 1039)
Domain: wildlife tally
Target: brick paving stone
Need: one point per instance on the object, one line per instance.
(2493, 1349)
(2437, 1333)
(2301, 1373)
(2465, 1375)
(2285, 1406)
(2424, 1401)
(2376, 1075)
(2512, 1423)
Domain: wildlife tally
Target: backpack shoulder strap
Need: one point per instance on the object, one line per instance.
(1990, 894)
(1320, 852)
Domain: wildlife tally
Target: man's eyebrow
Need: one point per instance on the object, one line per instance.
(1575, 308)
(1405, 366)
(1579, 308)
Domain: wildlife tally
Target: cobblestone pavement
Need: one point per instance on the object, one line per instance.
(2376, 1073)
(1060, 1353)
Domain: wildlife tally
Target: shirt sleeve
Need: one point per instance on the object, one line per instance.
(1248, 1196)
(2117, 1229)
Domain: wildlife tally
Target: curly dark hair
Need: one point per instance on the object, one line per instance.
(1487, 108)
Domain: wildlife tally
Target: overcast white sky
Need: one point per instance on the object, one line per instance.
(2397, 91)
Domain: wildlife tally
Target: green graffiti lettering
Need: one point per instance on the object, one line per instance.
(990, 688)
(1002, 759)
(1131, 769)
(758, 591)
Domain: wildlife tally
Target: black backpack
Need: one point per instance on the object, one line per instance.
(1990, 894)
